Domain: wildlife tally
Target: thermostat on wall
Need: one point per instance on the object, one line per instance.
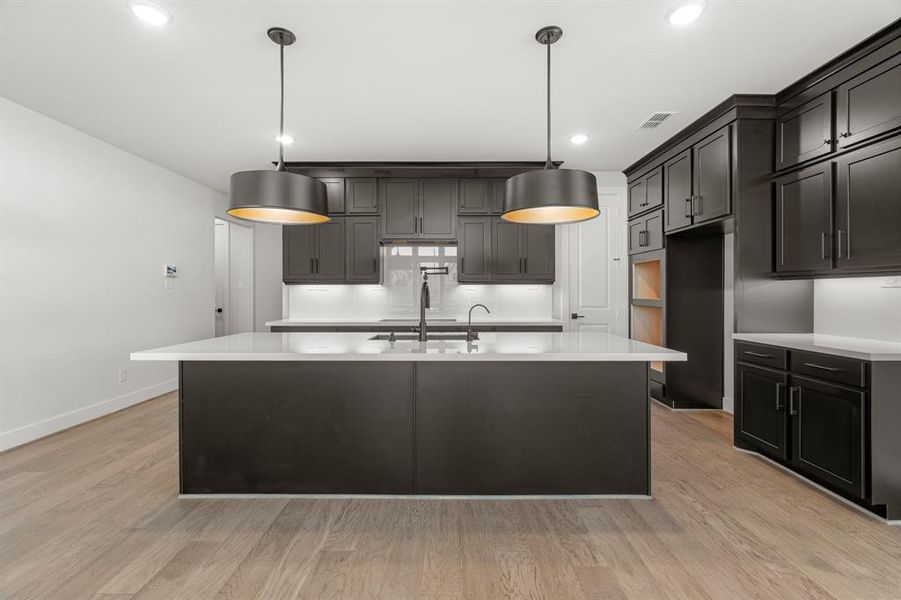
(170, 271)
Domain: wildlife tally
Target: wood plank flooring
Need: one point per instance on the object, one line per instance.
(93, 513)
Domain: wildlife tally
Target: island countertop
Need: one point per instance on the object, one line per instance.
(565, 346)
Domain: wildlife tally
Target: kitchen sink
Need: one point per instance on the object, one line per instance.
(412, 337)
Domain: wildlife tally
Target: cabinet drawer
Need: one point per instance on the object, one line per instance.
(646, 233)
(830, 368)
(761, 355)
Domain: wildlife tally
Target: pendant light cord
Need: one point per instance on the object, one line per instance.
(548, 164)
(281, 118)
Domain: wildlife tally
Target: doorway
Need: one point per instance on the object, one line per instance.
(234, 309)
(597, 275)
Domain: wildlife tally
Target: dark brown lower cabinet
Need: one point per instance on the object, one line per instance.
(827, 433)
(760, 409)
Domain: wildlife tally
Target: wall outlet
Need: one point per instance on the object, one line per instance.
(891, 282)
(123, 375)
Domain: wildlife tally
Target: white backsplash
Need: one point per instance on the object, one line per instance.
(863, 307)
(398, 296)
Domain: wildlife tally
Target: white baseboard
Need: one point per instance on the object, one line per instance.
(729, 405)
(33, 431)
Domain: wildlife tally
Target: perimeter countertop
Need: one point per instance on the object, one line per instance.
(587, 346)
(413, 322)
(859, 348)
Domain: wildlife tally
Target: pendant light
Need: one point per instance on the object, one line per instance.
(277, 196)
(552, 195)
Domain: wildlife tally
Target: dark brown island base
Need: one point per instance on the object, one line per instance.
(319, 413)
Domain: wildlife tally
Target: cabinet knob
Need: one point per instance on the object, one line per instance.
(845, 134)
(827, 142)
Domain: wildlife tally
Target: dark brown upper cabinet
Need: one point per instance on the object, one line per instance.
(646, 232)
(418, 208)
(400, 208)
(363, 250)
(362, 195)
(334, 188)
(869, 104)
(677, 191)
(522, 253)
(868, 207)
(437, 209)
(475, 196)
(804, 133)
(647, 192)
(804, 220)
(474, 249)
(313, 253)
(712, 181)
(498, 191)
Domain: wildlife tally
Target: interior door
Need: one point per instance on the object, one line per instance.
(438, 209)
(596, 256)
(240, 279)
(677, 190)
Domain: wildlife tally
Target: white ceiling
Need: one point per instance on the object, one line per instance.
(451, 80)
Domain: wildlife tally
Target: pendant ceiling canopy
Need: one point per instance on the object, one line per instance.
(552, 195)
(278, 196)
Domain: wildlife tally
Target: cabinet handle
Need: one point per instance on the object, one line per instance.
(779, 405)
(688, 208)
(822, 367)
(525, 265)
(375, 265)
(792, 409)
(758, 354)
(823, 245)
(838, 243)
(415, 225)
(462, 265)
(312, 265)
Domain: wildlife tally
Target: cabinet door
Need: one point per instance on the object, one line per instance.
(362, 195)
(334, 189)
(438, 209)
(805, 132)
(654, 186)
(804, 220)
(506, 251)
(760, 413)
(298, 253)
(636, 235)
(475, 196)
(638, 195)
(677, 191)
(498, 191)
(713, 177)
(330, 250)
(538, 253)
(474, 248)
(827, 433)
(869, 104)
(868, 207)
(400, 208)
(362, 250)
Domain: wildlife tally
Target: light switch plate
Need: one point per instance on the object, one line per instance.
(891, 282)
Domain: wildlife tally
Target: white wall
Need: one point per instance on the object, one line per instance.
(858, 307)
(85, 231)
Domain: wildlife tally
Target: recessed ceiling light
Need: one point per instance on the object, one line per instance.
(150, 12)
(685, 12)
(578, 138)
(286, 139)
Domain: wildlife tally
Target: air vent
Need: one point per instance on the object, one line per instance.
(655, 119)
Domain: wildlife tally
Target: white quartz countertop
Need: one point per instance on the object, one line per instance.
(412, 322)
(860, 348)
(592, 346)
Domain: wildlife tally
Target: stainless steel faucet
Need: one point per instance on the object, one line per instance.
(425, 299)
(471, 334)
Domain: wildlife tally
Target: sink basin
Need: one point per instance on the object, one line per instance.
(407, 337)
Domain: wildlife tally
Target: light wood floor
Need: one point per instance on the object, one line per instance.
(93, 513)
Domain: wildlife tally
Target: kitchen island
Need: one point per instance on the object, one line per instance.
(342, 413)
